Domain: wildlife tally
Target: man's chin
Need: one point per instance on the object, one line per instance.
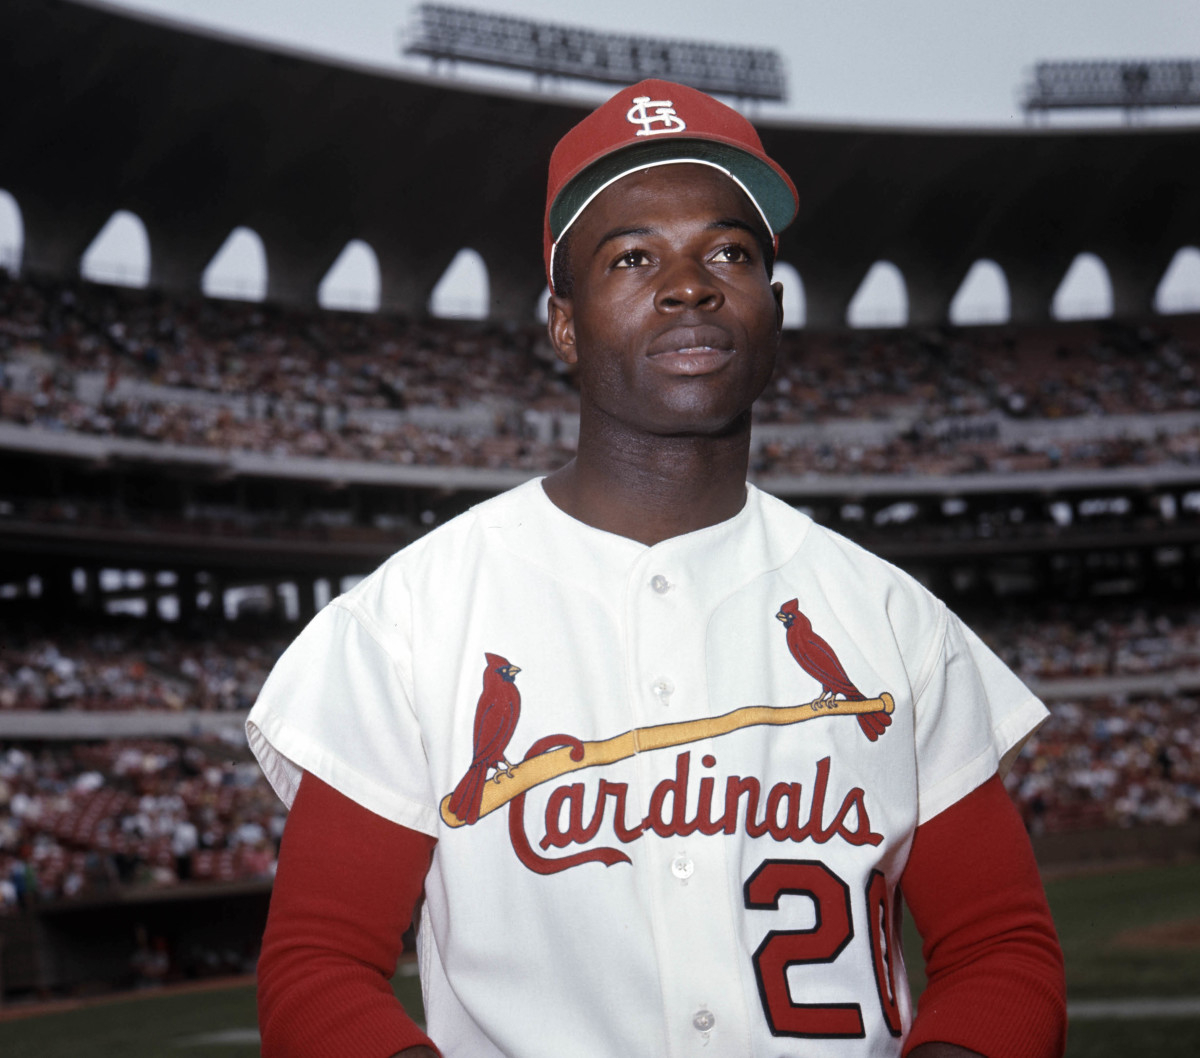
(704, 426)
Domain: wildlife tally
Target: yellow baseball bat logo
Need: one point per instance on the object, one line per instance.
(545, 767)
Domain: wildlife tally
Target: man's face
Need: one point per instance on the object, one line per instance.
(673, 323)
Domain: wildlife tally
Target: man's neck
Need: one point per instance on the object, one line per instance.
(652, 489)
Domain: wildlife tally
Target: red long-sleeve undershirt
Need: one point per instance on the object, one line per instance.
(348, 882)
(992, 957)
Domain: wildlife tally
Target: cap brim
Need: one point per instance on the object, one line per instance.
(770, 192)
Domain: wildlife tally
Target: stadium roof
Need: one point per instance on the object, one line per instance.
(198, 133)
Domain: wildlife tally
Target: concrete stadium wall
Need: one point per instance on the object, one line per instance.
(1099, 848)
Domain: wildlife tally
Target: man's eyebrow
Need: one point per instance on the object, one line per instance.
(722, 224)
(617, 233)
(727, 223)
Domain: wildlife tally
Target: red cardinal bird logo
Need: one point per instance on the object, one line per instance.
(816, 657)
(496, 718)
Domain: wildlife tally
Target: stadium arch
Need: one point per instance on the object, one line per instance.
(239, 270)
(881, 299)
(1178, 290)
(463, 292)
(12, 235)
(794, 308)
(1086, 290)
(120, 253)
(982, 297)
(352, 282)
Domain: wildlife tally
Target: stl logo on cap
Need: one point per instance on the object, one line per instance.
(664, 113)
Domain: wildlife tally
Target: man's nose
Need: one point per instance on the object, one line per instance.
(687, 284)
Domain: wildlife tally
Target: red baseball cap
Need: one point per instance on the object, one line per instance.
(660, 123)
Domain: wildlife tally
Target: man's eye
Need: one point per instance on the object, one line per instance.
(731, 254)
(630, 259)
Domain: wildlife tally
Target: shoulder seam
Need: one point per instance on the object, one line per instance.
(937, 647)
(368, 625)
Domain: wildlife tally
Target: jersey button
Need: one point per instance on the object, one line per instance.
(683, 868)
(663, 689)
(660, 584)
(704, 1020)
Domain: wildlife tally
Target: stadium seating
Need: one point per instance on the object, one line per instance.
(105, 361)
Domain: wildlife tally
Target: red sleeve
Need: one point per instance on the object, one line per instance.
(344, 894)
(995, 968)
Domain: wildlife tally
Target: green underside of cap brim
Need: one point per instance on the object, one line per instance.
(773, 196)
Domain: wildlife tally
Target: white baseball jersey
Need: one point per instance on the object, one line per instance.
(683, 841)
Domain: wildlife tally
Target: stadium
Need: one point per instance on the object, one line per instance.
(189, 478)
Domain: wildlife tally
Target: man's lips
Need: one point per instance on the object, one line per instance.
(692, 350)
(701, 360)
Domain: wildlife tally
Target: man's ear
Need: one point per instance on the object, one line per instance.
(777, 290)
(560, 324)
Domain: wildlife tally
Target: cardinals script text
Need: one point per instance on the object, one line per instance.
(783, 812)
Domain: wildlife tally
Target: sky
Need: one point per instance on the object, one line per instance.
(871, 62)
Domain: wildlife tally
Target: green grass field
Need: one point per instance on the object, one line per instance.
(1098, 917)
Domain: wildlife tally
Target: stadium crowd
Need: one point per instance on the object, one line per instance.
(237, 376)
(917, 451)
(1111, 762)
(1111, 759)
(80, 819)
(1082, 642)
(117, 670)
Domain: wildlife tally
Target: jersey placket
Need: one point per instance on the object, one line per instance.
(684, 876)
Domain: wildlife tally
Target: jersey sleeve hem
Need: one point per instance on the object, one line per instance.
(1007, 739)
(1017, 728)
(285, 753)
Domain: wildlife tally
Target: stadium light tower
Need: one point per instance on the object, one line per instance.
(1132, 86)
(545, 49)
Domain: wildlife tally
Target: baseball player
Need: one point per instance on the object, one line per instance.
(656, 762)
